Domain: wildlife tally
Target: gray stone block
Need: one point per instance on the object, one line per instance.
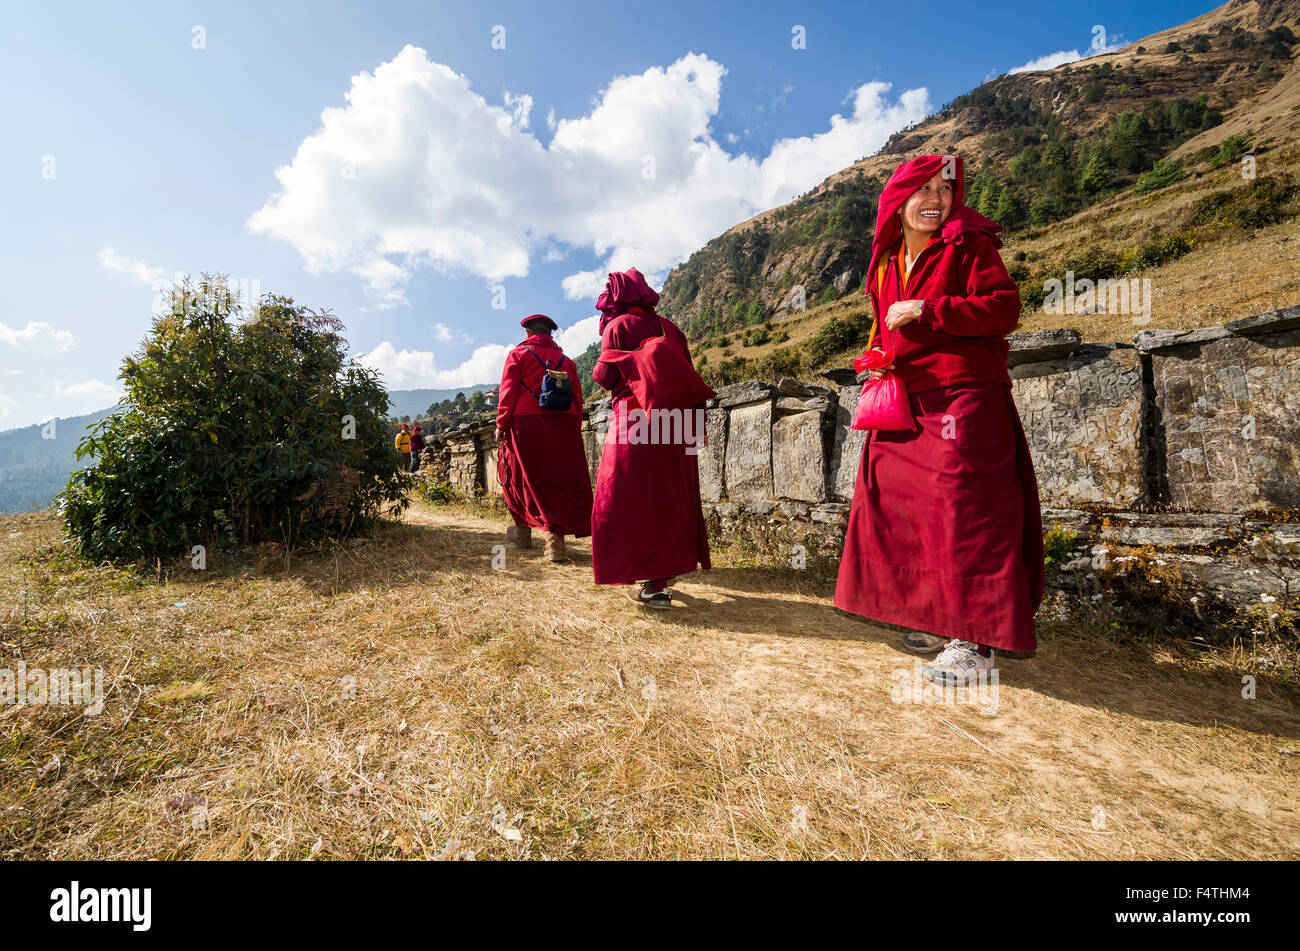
(799, 458)
(846, 449)
(1173, 530)
(748, 453)
(738, 394)
(1275, 321)
(1040, 345)
(712, 457)
(1230, 408)
(1082, 417)
(1153, 340)
(831, 513)
(793, 404)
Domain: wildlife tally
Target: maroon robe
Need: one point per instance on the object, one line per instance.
(647, 522)
(945, 532)
(541, 460)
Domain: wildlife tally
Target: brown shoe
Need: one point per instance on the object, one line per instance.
(521, 535)
(555, 547)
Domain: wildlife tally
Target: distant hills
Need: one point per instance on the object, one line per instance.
(35, 468)
(413, 403)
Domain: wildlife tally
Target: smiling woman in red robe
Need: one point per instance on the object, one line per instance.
(647, 521)
(945, 531)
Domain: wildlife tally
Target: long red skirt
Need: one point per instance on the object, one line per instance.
(647, 522)
(945, 534)
(542, 467)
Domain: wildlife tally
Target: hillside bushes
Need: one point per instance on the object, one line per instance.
(260, 430)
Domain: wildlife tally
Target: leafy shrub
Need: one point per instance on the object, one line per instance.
(838, 333)
(1230, 149)
(1262, 202)
(1160, 249)
(1164, 172)
(1094, 262)
(1058, 543)
(435, 491)
(234, 430)
(828, 294)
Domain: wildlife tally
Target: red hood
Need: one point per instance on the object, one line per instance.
(623, 291)
(907, 178)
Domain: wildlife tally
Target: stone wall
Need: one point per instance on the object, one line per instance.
(1202, 425)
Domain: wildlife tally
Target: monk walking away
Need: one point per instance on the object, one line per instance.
(945, 531)
(647, 524)
(541, 461)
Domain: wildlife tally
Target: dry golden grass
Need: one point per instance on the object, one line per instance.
(751, 722)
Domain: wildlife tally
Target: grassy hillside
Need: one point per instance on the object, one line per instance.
(1123, 165)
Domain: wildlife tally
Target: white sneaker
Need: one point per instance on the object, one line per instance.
(958, 664)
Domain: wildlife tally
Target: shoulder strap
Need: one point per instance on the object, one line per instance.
(880, 290)
(545, 363)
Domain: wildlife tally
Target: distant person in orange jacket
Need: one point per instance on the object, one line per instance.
(402, 441)
(541, 461)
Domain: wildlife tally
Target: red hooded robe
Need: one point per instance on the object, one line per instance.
(945, 531)
(647, 522)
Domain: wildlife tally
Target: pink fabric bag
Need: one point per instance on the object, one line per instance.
(883, 403)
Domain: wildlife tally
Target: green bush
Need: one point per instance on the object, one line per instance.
(1253, 205)
(1058, 543)
(837, 334)
(1160, 249)
(435, 491)
(828, 294)
(1230, 149)
(234, 431)
(1164, 172)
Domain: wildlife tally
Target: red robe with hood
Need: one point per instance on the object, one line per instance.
(945, 531)
(541, 460)
(647, 522)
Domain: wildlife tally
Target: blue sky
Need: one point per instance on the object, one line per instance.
(471, 166)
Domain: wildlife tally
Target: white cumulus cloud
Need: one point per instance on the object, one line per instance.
(418, 369)
(418, 170)
(86, 396)
(1101, 43)
(37, 335)
(135, 269)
